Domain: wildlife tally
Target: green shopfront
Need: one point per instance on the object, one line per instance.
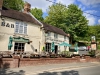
(18, 43)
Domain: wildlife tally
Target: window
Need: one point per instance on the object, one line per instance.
(64, 37)
(19, 47)
(55, 36)
(48, 34)
(21, 28)
(48, 47)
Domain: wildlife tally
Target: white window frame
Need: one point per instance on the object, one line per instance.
(21, 28)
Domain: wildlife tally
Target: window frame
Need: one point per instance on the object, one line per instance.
(55, 36)
(65, 38)
(20, 28)
(19, 47)
(48, 34)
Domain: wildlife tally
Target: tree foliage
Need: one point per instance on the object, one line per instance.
(37, 13)
(57, 16)
(77, 24)
(94, 31)
(13, 4)
(70, 19)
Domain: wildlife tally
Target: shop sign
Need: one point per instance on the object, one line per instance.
(7, 24)
(55, 40)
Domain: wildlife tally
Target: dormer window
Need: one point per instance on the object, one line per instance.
(55, 36)
(64, 37)
(49, 34)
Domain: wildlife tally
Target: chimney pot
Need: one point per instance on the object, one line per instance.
(27, 7)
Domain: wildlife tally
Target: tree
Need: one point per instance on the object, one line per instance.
(77, 24)
(37, 13)
(57, 16)
(94, 31)
(13, 4)
(70, 19)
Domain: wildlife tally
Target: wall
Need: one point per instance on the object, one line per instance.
(60, 39)
(33, 34)
(22, 62)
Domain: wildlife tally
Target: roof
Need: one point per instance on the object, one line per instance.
(53, 29)
(18, 15)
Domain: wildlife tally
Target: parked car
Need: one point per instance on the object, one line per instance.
(82, 48)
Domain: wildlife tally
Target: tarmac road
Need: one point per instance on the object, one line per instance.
(92, 70)
(55, 69)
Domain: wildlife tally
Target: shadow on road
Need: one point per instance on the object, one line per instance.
(72, 72)
(5, 69)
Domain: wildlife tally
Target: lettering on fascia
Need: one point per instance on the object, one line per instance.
(7, 25)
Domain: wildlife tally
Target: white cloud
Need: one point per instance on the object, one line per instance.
(66, 2)
(91, 18)
(82, 7)
(42, 4)
(90, 2)
(99, 21)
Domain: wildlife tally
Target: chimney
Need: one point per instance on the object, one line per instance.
(27, 7)
(1, 4)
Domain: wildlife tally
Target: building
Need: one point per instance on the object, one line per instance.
(54, 35)
(19, 31)
(22, 32)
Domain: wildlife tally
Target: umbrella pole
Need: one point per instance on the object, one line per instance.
(65, 50)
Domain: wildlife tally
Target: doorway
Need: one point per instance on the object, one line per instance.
(56, 49)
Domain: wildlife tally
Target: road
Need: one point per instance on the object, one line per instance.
(55, 69)
(93, 70)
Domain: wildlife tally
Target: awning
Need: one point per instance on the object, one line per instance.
(20, 39)
(64, 44)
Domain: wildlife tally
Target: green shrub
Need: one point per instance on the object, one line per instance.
(91, 52)
(67, 53)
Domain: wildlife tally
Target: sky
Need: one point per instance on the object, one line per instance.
(87, 6)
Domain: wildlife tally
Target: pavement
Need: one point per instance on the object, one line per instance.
(33, 70)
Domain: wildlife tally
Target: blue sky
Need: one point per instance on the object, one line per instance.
(88, 6)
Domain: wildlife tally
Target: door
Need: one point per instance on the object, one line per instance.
(56, 49)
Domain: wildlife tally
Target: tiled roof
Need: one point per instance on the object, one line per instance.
(28, 18)
(18, 15)
(53, 29)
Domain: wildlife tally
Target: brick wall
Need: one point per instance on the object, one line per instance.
(20, 62)
(28, 62)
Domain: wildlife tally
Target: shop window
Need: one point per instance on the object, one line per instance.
(21, 28)
(19, 47)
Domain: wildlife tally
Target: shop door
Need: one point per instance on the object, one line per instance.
(19, 47)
